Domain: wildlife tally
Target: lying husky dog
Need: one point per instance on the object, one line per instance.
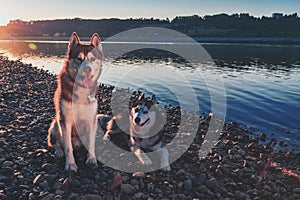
(75, 101)
(144, 124)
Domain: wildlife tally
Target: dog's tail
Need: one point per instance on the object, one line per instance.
(103, 120)
(52, 133)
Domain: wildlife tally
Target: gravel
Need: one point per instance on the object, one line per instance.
(239, 166)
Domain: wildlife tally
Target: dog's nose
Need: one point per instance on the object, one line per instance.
(137, 120)
(87, 70)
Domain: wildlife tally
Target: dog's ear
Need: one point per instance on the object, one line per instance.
(153, 99)
(74, 41)
(95, 40)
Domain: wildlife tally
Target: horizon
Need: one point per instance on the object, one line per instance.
(33, 10)
(46, 19)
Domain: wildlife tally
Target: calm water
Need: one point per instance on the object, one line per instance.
(261, 81)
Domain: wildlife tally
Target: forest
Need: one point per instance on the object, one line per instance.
(221, 25)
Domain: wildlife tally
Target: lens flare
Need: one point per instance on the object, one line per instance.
(119, 159)
(32, 46)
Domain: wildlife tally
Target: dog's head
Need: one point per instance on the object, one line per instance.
(143, 114)
(84, 60)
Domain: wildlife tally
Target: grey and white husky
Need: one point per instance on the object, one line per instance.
(75, 101)
(144, 123)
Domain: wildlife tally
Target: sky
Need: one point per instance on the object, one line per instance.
(96, 9)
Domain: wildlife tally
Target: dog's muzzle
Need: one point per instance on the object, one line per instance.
(136, 126)
(145, 122)
(137, 120)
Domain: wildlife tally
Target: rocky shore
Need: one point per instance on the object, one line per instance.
(238, 167)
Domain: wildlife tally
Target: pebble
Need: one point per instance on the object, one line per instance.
(3, 178)
(151, 178)
(57, 185)
(139, 175)
(241, 196)
(200, 180)
(296, 190)
(44, 184)
(38, 179)
(31, 196)
(251, 158)
(180, 174)
(47, 166)
(157, 190)
(127, 188)
(296, 196)
(108, 197)
(73, 196)
(150, 186)
(66, 183)
(7, 164)
(50, 178)
(267, 187)
(263, 137)
(288, 131)
(117, 180)
(58, 197)
(225, 168)
(139, 195)
(188, 184)
(212, 184)
(134, 182)
(3, 196)
(92, 197)
(242, 152)
(59, 192)
(74, 183)
(180, 185)
(202, 189)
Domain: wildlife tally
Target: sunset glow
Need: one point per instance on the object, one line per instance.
(38, 10)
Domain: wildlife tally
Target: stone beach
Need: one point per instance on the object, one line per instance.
(237, 167)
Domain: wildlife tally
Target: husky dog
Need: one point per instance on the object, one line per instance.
(75, 101)
(144, 125)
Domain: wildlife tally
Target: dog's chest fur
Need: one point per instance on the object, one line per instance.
(81, 110)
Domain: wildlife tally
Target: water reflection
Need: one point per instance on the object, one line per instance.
(43, 49)
(232, 57)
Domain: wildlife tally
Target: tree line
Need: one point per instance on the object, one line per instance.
(221, 25)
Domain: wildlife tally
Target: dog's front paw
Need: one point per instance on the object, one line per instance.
(71, 167)
(92, 162)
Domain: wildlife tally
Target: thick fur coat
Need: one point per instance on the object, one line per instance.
(144, 125)
(75, 101)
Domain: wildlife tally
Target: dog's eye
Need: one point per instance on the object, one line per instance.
(93, 59)
(146, 112)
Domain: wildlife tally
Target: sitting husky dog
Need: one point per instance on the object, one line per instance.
(75, 101)
(144, 125)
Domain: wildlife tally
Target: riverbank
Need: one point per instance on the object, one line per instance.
(222, 40)
(238, 167)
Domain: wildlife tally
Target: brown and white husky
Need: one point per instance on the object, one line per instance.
(75, 101)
